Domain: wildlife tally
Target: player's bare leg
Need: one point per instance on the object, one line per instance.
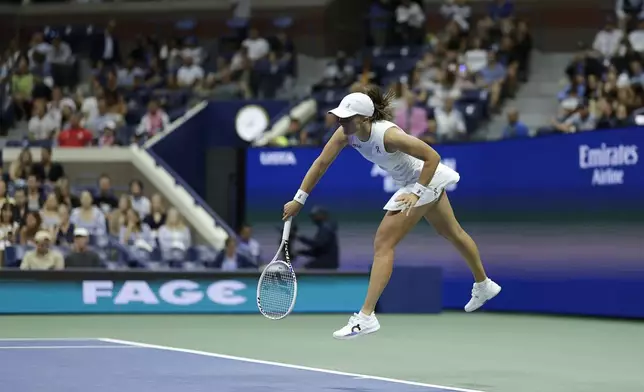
(441, 216)
(394, 227)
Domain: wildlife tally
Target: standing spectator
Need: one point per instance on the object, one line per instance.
(157, 216)
(105, 48)
(47, 170)
(189, 73)
(248, 246)
(88, 216)
(410, 18)
(76, 135)
(81, 256)
(515, 128)
(156, 120)
(257, 46)
(30, 227)
(174, 234)
(104, 198)
(607, 41)
(134, 230)
(118, 216)
(42, 258)
(140, 203)
(449, 121)
(230, 260)
(65, 232)
(41, 126)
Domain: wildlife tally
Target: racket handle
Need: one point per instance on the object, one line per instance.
(287, 229)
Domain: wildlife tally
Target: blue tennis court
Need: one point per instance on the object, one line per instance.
(102, 365)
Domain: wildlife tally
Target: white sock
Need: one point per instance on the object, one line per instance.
(483, 283)
(365, 315)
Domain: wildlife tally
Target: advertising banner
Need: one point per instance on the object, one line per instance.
(317, 294)
(541, 210)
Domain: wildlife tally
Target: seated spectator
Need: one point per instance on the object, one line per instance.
(21, 167)
(157, 216)
(41, 126)
(140, 203)
(156, 120)
(155, 76)
(293, 137)
(636, 37)
(248, 246)
(42, 258)
(47, 171)
(229, 260)
(81, 256)
(97, 122)
(189, 74)
(628, 10)
(20, 208)
(411, 118)
(492, 77)
(476, 57)
(134, 231)
(338, 73)
(49, 214)
(76, 135)
(410, 19)
(88, 216)
(8, 226)
(457, 11)
(127, 76)
(108, 136)
(65, 231)
(35, 196)
(38, 45)
(22, 85)
(582, 120)
(607, 41)
(622, 118)
(447, 86)
(30, 227)
(449, 122)
(64, 193)
(515, 128)
(60, 52)
(257, 46)
(192, 49)
(500, 9)
(118, 217)
(174, 234)
(5, 198)
(104, 198)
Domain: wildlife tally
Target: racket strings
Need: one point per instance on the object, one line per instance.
(277, 290)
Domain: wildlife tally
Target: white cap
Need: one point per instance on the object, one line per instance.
(81, 232)
(354, 104)
(42, 236)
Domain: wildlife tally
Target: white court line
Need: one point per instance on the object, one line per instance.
(46, 339)
(64, 347)
(286, 365)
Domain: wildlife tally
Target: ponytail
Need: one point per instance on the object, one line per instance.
(381, 103)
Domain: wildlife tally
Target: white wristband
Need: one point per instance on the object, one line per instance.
(419, 190)
(301, 196)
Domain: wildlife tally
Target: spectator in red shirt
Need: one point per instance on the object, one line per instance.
(76, 135)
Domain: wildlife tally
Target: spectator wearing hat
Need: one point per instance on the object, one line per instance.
(42, 258)
(81, 256)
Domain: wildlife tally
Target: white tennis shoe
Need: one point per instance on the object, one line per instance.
(358, 325)
(481, 293)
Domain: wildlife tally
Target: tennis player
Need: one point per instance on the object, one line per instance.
(416, 168)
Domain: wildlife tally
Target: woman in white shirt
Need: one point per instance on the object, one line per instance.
(8, 227)
(174, 234)
(41, 126)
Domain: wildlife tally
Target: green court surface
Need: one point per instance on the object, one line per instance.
(481, 351)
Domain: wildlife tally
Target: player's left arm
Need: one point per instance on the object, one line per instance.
(397, 140)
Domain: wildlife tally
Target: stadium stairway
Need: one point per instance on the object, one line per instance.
(536, 99)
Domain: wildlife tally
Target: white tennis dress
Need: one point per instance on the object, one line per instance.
(403, 168)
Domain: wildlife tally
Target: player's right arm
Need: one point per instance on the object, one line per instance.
(330, 151)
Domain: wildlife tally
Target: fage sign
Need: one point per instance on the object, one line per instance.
(174, 292)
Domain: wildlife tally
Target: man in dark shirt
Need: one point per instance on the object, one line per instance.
(81, 256)
(323, 246)
(104, 198)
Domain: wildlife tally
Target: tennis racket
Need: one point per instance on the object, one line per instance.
(277, 286)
